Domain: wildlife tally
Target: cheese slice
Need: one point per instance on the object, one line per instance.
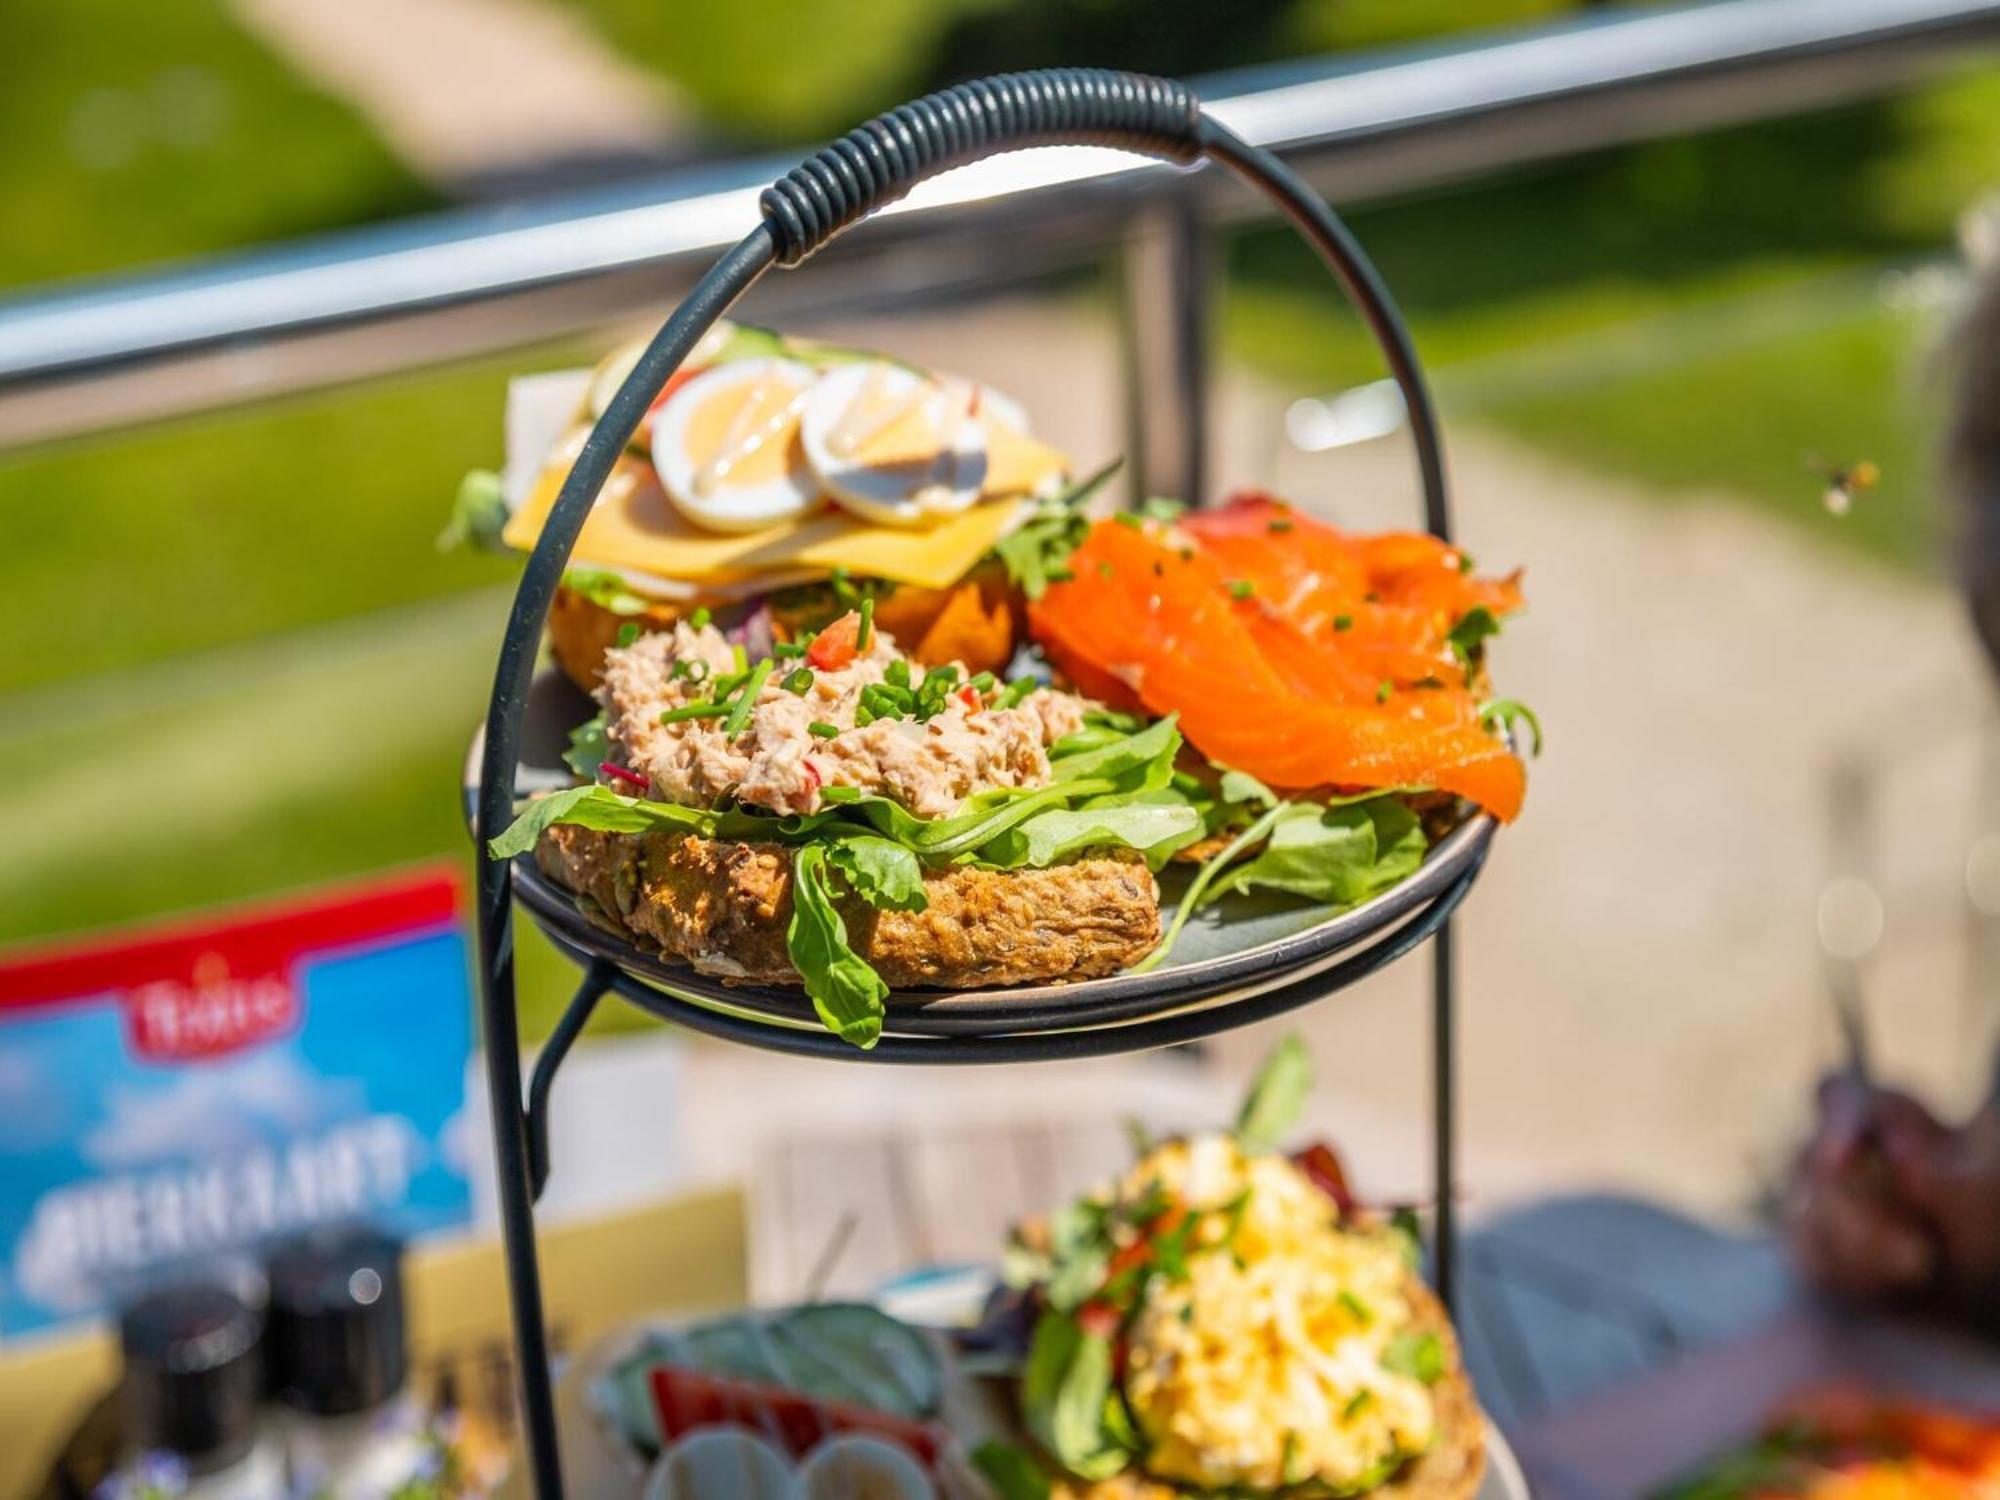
(634, 527)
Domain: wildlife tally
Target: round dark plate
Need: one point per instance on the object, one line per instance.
(1235, 950)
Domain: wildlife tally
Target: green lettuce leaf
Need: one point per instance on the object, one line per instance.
(606, 590)
(1011, 1471)
(589, 748)
(1065, 1392)
(881, 871)
(1155, 829)
(1132, 763)
(601, 808)
(1036, 553)
(1339, 855)
(1276, 1098)
(843, 987)
(478, 515)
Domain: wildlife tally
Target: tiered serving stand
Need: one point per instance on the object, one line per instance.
(1221, 987)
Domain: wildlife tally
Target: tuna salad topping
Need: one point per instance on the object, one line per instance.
(822, 723)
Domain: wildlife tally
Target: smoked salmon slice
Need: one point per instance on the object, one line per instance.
(1293, 652)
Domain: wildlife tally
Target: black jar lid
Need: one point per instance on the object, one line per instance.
(193, 1372)
(337, 1340)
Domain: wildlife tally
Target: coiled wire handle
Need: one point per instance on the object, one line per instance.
(876, 163)
(839, 185)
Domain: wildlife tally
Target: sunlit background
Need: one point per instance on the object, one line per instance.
(236, 662)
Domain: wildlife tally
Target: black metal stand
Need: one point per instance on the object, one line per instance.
(838, 186)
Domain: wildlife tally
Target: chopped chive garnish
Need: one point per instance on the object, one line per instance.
(843, 589)
(690, 669)
(1465, 562)
(1128, 518)
(742, 659)
(1241, 588)
(788, 649)
(1382, 692)
(820, 729)
(628, 632)
(1015, 691)
(982, 682)
(797, 682)
(840, 794)
(897, 672)
(1281, 527)
(1343, 622)
(694, 711)
(1105, 570)
(739, 714)
(1061, 575)
(1358, 1403)
(1187, 554)
(700, 618)
(865, 636)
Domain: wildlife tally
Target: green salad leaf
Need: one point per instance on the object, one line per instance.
(1507, 712)
(1155, 830)
(1036, 553)
(1469, 636)
(606, 590)
(843, 987)
(1138, 762)
(1012, 1471)
(1336, 855)
(601, 808)
(1065, 1395)
(589, 747)
(1276, 1098)
(478, 514)
(881, 871)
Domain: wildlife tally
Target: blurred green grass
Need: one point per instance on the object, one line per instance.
(135, 132)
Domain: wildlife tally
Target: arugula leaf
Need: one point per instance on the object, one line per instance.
(1011, 1471)
(1064, 1395)
(1137, 762)
(606, 590)
(1036, 553)
(1277, 1095)
(843, 987)
(881, 871)
(478, 515)
(1204, 877)
(597, 807)
(1337, 855)
(1417, 1355)
(1154, 829)
(589, 747)
(1468, 637)
(1506, 712)
(1242, 787)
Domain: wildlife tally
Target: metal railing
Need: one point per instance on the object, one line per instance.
(117, 351)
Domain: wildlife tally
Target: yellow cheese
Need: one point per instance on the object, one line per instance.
(633, 527)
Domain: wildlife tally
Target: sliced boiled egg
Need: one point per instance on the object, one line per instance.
(894, 446)
(727, 447)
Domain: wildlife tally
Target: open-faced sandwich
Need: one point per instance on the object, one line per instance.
(855, 776)
(778, 479)
(1226, 1319)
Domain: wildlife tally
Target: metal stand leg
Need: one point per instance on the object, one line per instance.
(517, 1217)
(1444, 1122)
